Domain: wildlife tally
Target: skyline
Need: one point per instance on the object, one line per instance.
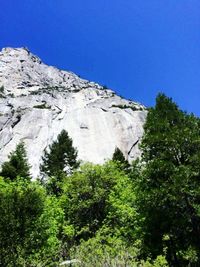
(136, 49)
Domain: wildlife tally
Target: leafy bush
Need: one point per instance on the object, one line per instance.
(29, 224)
(84, 198)
(112, 253)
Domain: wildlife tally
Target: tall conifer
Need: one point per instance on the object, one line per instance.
(60, 158)
(17, 164)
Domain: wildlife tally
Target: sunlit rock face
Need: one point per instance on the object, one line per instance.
(37, 101)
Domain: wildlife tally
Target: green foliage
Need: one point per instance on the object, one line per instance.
(146, 214)
(98, 252)
(1, 89)
(132, 107)
(29, 224)
(17, 164)
(42, 106)
(99, 202)
(121, 217)
(124, 107)
(85, 195)
(111, 253)
(169, 186)
(54, 184)
(119, 158)
(118, 155)
(61, 158)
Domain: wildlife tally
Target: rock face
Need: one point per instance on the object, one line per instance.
(38, 101)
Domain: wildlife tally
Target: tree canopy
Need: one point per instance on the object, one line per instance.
(29, 224)
(145, 214)
(169, 184)
(119, 158)
(60, 157)
(17, 165)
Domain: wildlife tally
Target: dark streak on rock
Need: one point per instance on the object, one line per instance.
(133, 146)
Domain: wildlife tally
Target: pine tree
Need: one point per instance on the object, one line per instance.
(17, 164)
(118, 157)
(61, 157)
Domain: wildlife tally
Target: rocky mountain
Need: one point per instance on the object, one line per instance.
(37, 101)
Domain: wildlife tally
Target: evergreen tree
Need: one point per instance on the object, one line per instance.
(17, 164)
(118, 157)
(61, 157)
(169, 187)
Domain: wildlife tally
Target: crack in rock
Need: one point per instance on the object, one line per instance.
(133, 146)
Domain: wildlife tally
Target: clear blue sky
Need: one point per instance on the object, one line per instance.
(137, 48)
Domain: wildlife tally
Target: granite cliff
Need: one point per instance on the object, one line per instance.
(37, 101)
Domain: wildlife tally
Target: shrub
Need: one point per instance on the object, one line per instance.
(29, 225)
